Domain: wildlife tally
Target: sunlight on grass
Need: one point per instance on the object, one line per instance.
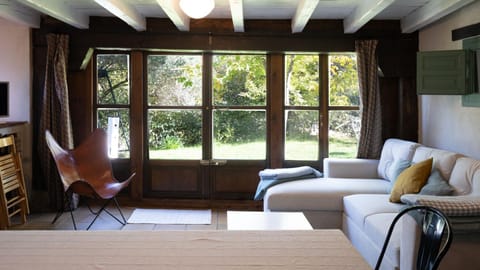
(342, 147)
(295, 150)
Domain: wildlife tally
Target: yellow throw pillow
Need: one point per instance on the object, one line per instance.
(411, 180)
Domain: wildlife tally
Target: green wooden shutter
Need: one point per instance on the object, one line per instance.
(445, 72)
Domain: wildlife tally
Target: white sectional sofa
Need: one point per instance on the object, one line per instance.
(354, 196)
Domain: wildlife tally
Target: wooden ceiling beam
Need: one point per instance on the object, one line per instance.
(432, 11)
(15, 12)
(125, 12)
(176, 15)
(303, 13)
(59, 10)
(363, 13)
(236, 8)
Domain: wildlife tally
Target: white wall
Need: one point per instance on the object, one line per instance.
(444, 123)
(15, 63)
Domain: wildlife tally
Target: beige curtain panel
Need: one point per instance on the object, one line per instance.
(370, 142)
(55, 114)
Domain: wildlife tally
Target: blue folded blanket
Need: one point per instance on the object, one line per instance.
(272, 177)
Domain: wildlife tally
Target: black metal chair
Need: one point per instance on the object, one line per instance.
(435, 240)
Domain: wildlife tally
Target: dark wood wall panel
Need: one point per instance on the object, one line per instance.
(176, 178)
(235, 182)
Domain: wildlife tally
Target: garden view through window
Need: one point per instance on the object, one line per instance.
(303, 106)
(215, 106)
(113, 102)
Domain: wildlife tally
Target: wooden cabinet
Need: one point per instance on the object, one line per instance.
(446, 72)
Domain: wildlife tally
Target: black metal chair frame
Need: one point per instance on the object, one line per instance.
(435, 230)
(69, 205)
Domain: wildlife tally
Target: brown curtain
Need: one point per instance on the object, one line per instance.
(370, 142)
(55, 114)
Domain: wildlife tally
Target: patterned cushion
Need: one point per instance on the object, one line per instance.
(451, 206)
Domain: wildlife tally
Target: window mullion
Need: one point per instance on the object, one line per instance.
(324, 106)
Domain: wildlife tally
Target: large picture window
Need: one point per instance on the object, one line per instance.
(239, 107)
(112, 101)
(219, 111)
(343, 106)
(174, 89)
(307, 97)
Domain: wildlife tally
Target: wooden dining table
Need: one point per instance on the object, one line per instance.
(226, 250)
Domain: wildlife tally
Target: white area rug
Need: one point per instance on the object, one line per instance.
(170, 216)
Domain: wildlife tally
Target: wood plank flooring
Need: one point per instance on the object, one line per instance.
(83, 217)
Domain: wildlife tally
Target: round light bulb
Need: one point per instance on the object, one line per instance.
(197, 8)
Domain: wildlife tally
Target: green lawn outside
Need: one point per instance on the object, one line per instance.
(295, 150)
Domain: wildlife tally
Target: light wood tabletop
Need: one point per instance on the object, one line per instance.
(226, 250)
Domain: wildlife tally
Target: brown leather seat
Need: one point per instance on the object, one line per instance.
(87, 171)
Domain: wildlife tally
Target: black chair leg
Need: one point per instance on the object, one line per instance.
(68, 205)
(119, 210)
(98, 213)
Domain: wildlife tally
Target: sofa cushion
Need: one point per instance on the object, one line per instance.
(442, 160)
(360, 206)
(411, 180)
(394, 149)
(465, 177)
(397, 167)
(436, 185)
(376, 228)
(322, 194)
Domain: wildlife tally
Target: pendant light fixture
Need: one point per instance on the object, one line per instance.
(197, 8)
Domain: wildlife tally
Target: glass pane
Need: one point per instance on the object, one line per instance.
(175, 134)
(239, 134)
(174, 80)
(113, 79)
(301, 80)
(343, 133)
(117, 124)
(343, 80)
(239, 80)
(301, 135)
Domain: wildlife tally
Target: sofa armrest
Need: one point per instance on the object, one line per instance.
(452, 206)
(462, 254)
(350, 168)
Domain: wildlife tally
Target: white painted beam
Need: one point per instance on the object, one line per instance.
(59, 10)
(432, 11)
(236, 8)
(125, 12)
(17, 13)
(303, 13)
(363, 13)
(176, 15)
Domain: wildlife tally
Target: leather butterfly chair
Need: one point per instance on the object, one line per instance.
(435, 236)
(87, 171)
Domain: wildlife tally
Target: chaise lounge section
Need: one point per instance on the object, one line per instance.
(354, 196)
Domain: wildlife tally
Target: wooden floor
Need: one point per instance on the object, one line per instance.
(83, 217)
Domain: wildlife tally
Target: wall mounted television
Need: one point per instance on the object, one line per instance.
(3, 99)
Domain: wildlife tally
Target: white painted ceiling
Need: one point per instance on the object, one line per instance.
(413, 14)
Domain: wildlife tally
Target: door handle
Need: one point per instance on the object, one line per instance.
(213, 162)
(218, 162)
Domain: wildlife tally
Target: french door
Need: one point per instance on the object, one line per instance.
(202, 125)
(206, 125)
